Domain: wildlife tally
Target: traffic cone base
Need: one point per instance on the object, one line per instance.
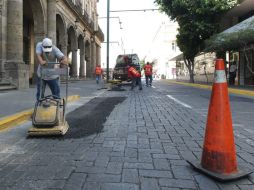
(220, 176)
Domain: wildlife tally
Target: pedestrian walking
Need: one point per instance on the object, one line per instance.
(148, 68)
(232, 74)
(135, 75)
(47, 52)
(98, 73)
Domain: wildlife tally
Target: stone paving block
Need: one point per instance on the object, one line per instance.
(4, 171)
(205, 183)
(170, 149)
(145, 157)
(114, 168)
(90, 156)
(104, 178)
(40, 173)
(76, 181)
(91, 169)
(102, 161)
(117, 154)
(177, 183)
(163, 136)
(108, 143)
(131, 152)
(188, 155)
(168, 188)
(228, 186)
(182, 172)
(130, 176)
(119, 186)
(168, 156)
(155, 173)
(64, 172)
(132, 144)
(161, 164)
(149, 184)
(132, 137)
(92, 186)
(246, 187)
(138, 165)
(11, 178)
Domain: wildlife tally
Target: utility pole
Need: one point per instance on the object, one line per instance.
(108, 11)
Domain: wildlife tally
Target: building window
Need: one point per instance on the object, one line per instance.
(173, 46)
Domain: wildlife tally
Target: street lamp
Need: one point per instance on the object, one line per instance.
(108, 9)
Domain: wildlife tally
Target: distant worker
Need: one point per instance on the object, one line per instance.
(232, 74)
(148, 68)
(135, 75)
(98, 73)
(46, 52)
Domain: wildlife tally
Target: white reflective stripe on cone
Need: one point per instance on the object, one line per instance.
(220, 76)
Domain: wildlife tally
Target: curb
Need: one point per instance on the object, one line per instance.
(21, 117)
(209, 87)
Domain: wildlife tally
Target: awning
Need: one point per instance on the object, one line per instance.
(177, 58)
(233, 38)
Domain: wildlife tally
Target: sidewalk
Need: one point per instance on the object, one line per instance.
(144, 145)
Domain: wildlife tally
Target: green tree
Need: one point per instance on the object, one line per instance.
(197, 20)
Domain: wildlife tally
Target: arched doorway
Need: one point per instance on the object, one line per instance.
(72, 49)
(33, 31)
(61, 41)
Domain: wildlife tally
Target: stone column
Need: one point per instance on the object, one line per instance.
(98, 54)
(64, 44)
(88, 59)
(82, 61)
(51, 8)
(93, 58)
(74, 63)
(3, 37)
(14, 66)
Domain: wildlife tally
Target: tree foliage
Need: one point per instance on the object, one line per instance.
(197, 20)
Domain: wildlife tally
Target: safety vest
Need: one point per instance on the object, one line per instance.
(134, 72)
(98, 70)
(148, 70)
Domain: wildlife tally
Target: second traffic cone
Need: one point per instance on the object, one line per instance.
(219, 155)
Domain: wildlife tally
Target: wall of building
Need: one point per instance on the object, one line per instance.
(64, 21)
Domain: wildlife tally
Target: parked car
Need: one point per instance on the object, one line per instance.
(120, 71)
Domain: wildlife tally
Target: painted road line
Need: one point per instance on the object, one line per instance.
(179, 102)
(21, 117)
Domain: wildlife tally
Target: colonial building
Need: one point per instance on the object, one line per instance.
(71, 24)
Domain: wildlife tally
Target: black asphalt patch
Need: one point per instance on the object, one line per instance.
(117, 88)
(89, 118)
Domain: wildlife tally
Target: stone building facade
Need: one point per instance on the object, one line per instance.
(71, 24)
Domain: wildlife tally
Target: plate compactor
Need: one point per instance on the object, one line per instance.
(49, 113)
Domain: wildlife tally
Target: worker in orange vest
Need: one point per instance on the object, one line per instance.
(135, 75)
(98, 73)
(148, 68)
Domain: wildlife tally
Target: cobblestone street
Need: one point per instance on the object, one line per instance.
(143, 145)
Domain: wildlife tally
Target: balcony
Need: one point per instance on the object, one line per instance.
(77, 7)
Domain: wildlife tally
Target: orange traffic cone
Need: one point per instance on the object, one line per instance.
(219, 155)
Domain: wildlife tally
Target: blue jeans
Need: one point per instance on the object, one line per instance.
(136, 81)
(150, 80)
(53, 85)
(98, 78)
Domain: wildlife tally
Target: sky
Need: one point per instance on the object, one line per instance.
(139, 28)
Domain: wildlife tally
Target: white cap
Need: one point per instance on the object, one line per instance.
(47, 45)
